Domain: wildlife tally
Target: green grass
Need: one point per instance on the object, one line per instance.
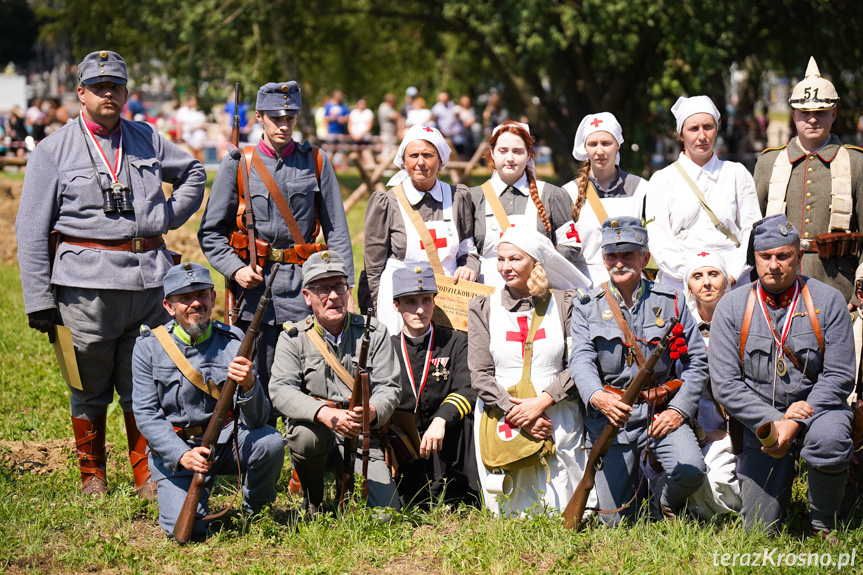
(46, 526)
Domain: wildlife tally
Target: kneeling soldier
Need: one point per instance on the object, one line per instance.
(612, 333)
(312, 376)
(174, 368)
(436, 398)
(782, 356)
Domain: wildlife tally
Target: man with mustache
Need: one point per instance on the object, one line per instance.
(313, 373)
(90, 232)
(818, 184)
(613, 330)
(782, 353)
(178, 370)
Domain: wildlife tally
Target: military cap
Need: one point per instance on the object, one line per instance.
(413, 280)
(773, 232)
(187, 277)
(623, 234)
(321, 265)
(102, 66)
(813, 92)
(279, 99)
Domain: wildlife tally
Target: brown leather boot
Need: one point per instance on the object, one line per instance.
(294, 485)
(144, 485)
(90, 445)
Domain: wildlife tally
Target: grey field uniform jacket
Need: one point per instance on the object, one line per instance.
(61, 192)
(808, 200)
(300, 373)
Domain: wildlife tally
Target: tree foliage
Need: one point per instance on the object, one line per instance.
(556, 60)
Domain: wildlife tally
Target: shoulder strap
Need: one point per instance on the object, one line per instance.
(624, 327)
(244, 207)
(319, 163)
(842, 201)
(813, 316)
(183, 364)
(422, 230)
(330, 358)
(536, 320)
(596, 203)
(697, 191)
(496, 207)
(778, 186)
(747, 322)
(277, 196)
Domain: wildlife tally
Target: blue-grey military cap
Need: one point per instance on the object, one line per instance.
(773, 232)
(623, 234)
(325, 264)
(187, 277)
(413, 280)
(102, 66)
(279, 99)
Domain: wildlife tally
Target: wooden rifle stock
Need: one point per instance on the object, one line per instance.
(574, 511)
(360, 397)
(186, 520)
(231, 311)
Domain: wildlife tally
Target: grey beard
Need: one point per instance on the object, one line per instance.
(197, 329)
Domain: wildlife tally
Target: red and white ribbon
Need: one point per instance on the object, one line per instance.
(112, 171)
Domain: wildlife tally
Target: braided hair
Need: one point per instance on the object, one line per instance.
(515, 128)
(583, 179)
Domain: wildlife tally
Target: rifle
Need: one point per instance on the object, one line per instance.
(186, 520)
(231, 307)
(578, 502)
(360, 396)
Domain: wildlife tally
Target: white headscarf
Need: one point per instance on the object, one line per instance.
(696, 262)
(561, 274)
(685, 107)
(431, 135)
(601, 122)
(531, 164)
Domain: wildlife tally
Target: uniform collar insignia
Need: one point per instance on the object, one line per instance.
(100, 130)
(777, 301)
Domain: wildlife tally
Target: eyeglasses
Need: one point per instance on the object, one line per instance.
(324, 291)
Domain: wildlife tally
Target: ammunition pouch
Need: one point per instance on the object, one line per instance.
(264, 252)
(658, 396)
(839, 244)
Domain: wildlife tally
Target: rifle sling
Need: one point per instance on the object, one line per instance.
(182, 363)
(330, 357)
(277, 196)
(422, 230)
(493, 201)
(629, 338)
(701, 200)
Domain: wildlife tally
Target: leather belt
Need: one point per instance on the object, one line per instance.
(331, 403)
(285, 256)
(198, 431)
(808, 246)
(135, 245)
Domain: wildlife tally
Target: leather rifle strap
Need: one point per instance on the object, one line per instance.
(496, 207)
(182, 363)
(248, 217)
(595, 203)
(747, 322)
(624, 327)
(422, 230)
(330, 357)
(277, 196)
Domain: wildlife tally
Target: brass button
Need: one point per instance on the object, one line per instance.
(806, 221)
(808, 207)
(808, 182)
(805, 234)
(809, 170)
(808, 194)
(811, 157)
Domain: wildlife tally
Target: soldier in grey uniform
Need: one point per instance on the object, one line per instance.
(816, 182)
(97, 182)
(312, 195)
(173, 412)
(789, 373)
(605, 359)
(314, 397)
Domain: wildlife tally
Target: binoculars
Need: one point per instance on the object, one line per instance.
(117, 198)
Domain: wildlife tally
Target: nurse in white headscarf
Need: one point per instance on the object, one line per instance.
(392, 238)
(609, 191)
(700, 203)
(706, 282)
(514, 197)
(497, 327)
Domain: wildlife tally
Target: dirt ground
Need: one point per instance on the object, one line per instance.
(39, 457)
